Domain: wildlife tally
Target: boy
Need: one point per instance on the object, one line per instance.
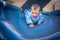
(34, 16)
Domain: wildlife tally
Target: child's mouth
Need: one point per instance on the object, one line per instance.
(34, 16)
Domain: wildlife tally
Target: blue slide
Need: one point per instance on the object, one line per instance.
(13, 25)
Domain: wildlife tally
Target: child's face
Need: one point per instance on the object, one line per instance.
(34, 13)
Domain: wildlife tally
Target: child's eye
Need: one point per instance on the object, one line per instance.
(35, 13)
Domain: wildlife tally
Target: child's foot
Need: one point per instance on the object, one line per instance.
(31, 25)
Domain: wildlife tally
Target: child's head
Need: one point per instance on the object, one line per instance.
(35, 10)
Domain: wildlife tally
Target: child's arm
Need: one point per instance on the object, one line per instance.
(27, 16)
(41, 19)
(29, 22)
(28, 19)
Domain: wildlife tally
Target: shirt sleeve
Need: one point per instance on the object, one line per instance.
(27, 16)
(41, 18)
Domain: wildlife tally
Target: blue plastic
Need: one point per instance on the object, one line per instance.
(19, 30)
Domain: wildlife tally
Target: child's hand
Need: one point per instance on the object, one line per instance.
(39, 23)
(31, 25)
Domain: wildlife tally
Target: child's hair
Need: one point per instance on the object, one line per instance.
(35, 6)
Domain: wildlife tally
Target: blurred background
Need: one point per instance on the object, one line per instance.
(46, 5)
